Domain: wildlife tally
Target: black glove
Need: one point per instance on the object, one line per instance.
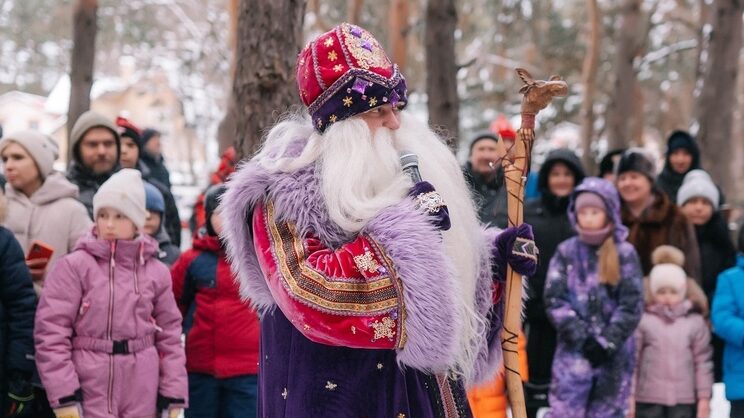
(595, 353)
(164, 403)
(20, 395)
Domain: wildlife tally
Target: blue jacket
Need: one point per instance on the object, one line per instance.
(728, 323)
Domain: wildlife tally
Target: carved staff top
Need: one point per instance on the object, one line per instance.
(538, 95)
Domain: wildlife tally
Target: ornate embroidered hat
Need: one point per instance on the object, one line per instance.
(344, 72)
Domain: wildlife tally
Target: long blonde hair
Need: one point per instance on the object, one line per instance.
(609, 262)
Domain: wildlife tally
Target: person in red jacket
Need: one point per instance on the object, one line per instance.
(221, 330)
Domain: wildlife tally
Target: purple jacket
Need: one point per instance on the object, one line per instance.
(107, 324)
(675, 364)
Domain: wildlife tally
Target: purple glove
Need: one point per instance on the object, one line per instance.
(515, 246)
(428, 200)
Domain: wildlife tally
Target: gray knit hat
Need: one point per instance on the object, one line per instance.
(697, 183)
(42, 149)
(86, 122)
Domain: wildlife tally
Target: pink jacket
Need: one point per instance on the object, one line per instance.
(107, 323)
(675, 363)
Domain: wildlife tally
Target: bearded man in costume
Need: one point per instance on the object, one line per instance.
(376, 298)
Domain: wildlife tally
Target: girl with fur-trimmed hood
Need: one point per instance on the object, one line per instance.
(593, 297)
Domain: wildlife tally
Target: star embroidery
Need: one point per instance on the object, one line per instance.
(401, 415)
(302, 62)
(328, 42)
(353, 329)
(306, 326)
(332, 56)
(330, 385)
(384, 329)
(372, 101)
(338, 68)
(366, 262)
(347, 101)
(332, 119)
(379, 366)
(284, 393)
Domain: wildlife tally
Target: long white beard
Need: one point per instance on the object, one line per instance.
(361, 175)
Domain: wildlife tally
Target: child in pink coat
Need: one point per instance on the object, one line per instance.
(107, 329)
(674, 373)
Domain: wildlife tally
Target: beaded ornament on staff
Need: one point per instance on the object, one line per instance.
(537, 95)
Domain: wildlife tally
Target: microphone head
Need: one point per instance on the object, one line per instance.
(408, 159)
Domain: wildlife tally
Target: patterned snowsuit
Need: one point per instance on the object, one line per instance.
(580, 307)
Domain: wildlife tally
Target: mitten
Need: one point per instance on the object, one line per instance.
(20, 395)
(428, 200)
(595, 353)
(515, 246)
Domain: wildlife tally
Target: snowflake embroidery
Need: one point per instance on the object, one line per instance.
(348, 101)
(330, 385)
(338, 68)
(379, 366)
(332, 56)
(353, 329)
(373, 101)
(366, 262)
(284, 393)
(384, 329)
(332, 119)
(328, 42)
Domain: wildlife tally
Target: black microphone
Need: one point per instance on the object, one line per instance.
(409, 162)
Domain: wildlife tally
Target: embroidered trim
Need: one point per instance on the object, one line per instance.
(448, 399)
(525, 248)
(375, 296)
(402, 336)
(350, 75)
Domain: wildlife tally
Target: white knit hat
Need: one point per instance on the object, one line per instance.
(667, 270)
(42, 149)
(697, 183)
(125, 192)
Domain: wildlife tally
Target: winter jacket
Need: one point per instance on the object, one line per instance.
(675, 364)
(490, 196)
(221, 329)
(167, 252)
(490, 400)
(158, 170)
(52, 215)
(228, 160)
(728, 323)
(659, 224)
(108, 325)
(17, 306)
(171, 220)
(716, 251)
(549, 219)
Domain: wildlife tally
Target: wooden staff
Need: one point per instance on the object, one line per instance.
(537, 95)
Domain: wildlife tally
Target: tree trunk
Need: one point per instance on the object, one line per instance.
(441, 74)
(717, 99)
(81, 68)
(399, 12)
(269, 37)
(621, 103)
(354, 14)
(588, 80)
(226, 128)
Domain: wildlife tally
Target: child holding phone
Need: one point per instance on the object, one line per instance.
(107, 328)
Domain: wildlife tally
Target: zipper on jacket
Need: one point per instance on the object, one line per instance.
(109, 330)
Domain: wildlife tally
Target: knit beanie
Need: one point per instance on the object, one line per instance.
(636, 159)
(42, 149)
(211, 202)
(607, 165)
(86, 122)
(154, 201)
(697, 183)
(667, 270)
(683, 140)
(148, 134)
(125, 192)
(129, 130)
(589, 199)
(483, 136)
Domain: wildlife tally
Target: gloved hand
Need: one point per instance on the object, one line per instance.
(172, 413)
(431, 202)
(71, 411)
(594, 352)
(515, 246)
(20, 395)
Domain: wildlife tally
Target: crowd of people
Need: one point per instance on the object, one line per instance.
(376, 293)
(679, 325)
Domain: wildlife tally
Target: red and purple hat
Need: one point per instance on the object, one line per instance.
(345, 72)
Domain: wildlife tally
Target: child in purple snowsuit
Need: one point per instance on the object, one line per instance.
(108, 331)
(674, 376)
(593, 297)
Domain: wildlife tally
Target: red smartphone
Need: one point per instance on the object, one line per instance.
(39, 250)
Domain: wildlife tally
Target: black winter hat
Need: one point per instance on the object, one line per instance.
(148, 133)
(481, 136)
(683, 140)
(560, 155)
(635, 159)
(128, 130)
(606, 165)
(211, 201)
